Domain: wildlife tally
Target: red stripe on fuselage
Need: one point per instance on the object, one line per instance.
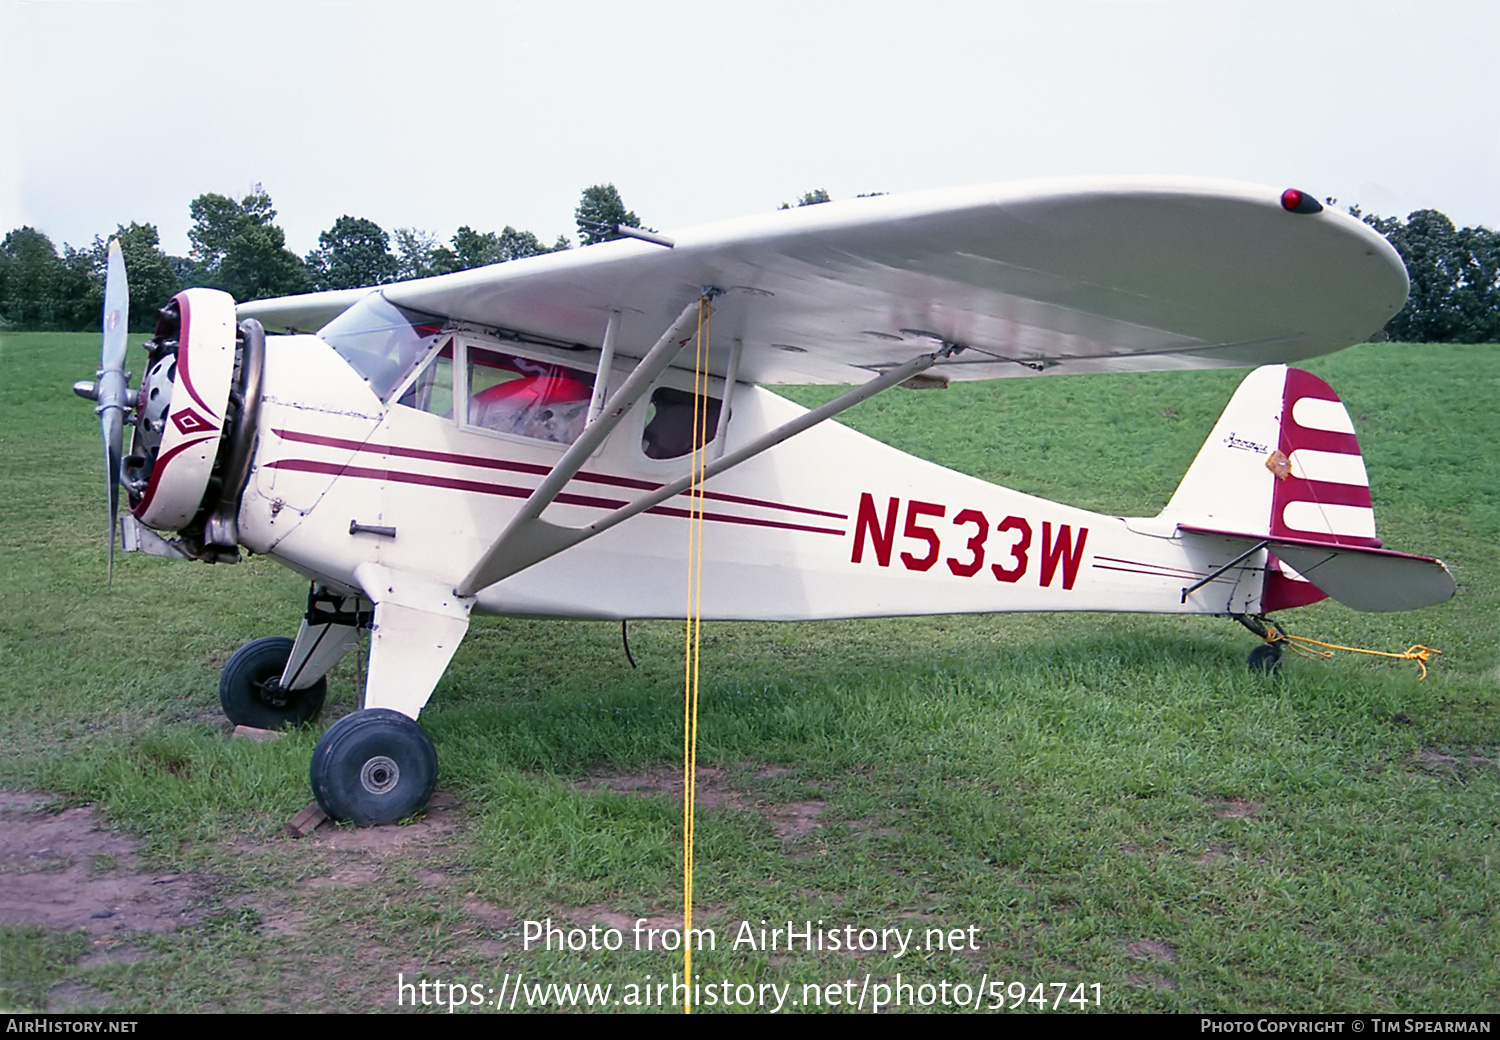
(1157, 573)
(1294, 437)
(1181, 571)
(509, 465)
(510, 491)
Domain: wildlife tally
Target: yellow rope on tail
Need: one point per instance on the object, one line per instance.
(1299, 644)
(699, 460)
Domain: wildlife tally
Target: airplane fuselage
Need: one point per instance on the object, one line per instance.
(832, 525)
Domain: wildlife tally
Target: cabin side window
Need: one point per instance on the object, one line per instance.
(524, 397)
(669, 423)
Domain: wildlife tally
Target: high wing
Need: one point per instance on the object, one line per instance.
(1052, 276)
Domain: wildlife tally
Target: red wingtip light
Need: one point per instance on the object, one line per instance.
(1294, 201)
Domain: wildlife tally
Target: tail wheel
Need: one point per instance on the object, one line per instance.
(251, 693)
(375, 766)
(1265, 658)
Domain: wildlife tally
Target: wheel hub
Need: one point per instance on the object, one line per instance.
(274, 694)
(251, 691)
(380, 775)
(373, 767)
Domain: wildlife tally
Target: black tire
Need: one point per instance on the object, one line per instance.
(375, 766)
(1265, 658)
(250, 687)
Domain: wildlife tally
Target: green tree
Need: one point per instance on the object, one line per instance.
(473, 249)
(153, 280)
(240, 250)
(184, 269)
(599, 212)
(419, 254)
(42, 290)
(354, 252)
(79, 290)
(30, 270)
(216, 221)
(1455, 279)
(811, 198)
(516, 245)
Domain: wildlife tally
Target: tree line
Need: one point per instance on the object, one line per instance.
(1455, 279)
(237, 247)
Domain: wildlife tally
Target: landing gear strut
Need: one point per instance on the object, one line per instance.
(377, 765)
(274, 683)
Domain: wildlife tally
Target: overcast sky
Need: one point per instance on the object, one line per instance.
(438, 114)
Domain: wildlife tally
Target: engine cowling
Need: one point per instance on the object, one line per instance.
(195, 422)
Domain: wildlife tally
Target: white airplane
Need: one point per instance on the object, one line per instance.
(518, 439)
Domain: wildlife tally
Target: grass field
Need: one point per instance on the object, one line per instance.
(1108, 800)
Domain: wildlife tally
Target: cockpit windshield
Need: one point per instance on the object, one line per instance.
(383, 342)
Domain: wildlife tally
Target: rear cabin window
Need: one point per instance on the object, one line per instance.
(669, 423)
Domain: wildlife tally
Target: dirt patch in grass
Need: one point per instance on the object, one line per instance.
(790, 820)
(611, 918)
(438, 821)
(1237, 809)
(1150, 950)
(61, 870)
(873, 828)
(1453, 763)
(65, 872)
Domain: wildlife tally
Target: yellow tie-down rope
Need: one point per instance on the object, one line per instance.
(1299, 644)
(699, 460)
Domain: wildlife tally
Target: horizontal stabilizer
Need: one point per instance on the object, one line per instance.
(1376, 580)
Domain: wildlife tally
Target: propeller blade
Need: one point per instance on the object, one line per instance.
(111, 423)
(116, 309)
(113, 392)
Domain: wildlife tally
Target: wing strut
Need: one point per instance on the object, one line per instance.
(528, 540)
(606, 366)
(731, 378)
(494, 564)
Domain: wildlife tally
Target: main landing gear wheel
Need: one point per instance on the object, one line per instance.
(375, 766)
(1265, 658)
(251, 693)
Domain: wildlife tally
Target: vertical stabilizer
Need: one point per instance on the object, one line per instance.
(1229, 487)
(1282, 463)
